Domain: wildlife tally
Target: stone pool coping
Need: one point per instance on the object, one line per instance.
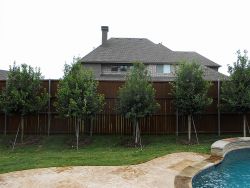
(184, 178)
(222, 147)
(218, 150)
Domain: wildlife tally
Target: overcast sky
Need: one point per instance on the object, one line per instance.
(48, 33)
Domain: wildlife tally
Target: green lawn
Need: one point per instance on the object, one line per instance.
(55, 150)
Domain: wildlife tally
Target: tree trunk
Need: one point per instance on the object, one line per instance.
(22, 128)
(134, 127)
(244, 124)
(38, 124)
(189, 128)
(91, 126)
(137, 133)
(49, 123)
(5, 124)
(77, 132)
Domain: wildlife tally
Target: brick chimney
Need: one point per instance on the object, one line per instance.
(105, 30)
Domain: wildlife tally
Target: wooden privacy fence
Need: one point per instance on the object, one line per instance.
(165, 121)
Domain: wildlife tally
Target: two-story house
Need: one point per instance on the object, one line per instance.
(113, 58)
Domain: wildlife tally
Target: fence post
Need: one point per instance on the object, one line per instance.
(218, 98)
(49, 103)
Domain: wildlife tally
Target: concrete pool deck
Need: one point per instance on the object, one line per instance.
(157, 173)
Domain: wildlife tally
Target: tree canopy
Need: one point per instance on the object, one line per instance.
(24, 93)
(137, 97)
(190, 89)
(235, 92)
(77, 95)
(77, 92)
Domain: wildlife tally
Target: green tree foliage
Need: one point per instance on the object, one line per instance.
(24, 93)
(190, 91)
(77, 95)
(137, 97)
(235, 93)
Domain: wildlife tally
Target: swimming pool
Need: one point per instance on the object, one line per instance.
(232, 172)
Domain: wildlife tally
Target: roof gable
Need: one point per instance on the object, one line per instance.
(126, 50)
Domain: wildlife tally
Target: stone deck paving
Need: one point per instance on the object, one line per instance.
(157, 173)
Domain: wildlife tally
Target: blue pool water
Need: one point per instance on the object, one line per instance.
(233, 172)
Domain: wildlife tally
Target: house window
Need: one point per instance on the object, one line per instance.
(124, 68)
(115, 69)
(120, 68)
(163, 69)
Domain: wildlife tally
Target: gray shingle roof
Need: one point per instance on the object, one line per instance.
(212, 75)
(127, 50)
(3, 75)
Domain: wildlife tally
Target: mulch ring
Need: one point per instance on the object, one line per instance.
(130, 143)
(27, 140)
(83, 141)
(186, 142)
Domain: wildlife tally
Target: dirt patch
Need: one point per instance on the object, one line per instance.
(186, 142)
(130, 143)
(27, 141)
(83, 142)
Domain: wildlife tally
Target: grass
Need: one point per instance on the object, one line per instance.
(55, 150)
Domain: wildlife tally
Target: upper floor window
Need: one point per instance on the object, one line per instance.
(115, 69)
(119, 68)
(163, 69)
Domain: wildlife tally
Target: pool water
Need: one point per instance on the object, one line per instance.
(232, 172)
